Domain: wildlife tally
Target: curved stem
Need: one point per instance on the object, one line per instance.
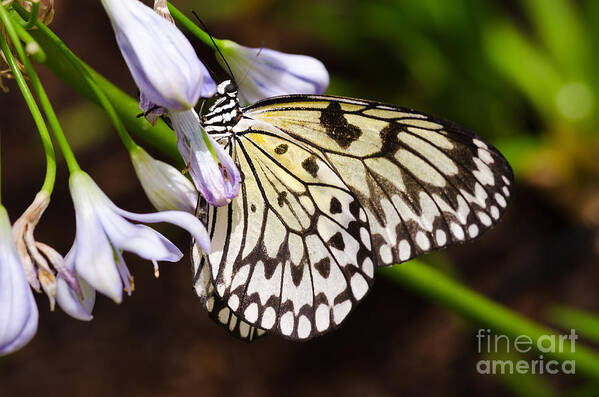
(41, 93)
(37, 117)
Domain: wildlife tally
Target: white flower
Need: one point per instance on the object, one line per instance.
(165, 186)
(163, 63)
(263, 73)
(18, 310)
(103, 231)
(213, 171)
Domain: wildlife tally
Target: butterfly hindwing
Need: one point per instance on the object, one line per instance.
(291, 254)
(217, 309)
(424, 183)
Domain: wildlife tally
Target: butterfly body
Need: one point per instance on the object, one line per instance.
(333, 188)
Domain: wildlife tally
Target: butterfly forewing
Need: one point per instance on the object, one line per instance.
(291, 254)
(424, 183)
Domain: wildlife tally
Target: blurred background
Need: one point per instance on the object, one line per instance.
(522, 73)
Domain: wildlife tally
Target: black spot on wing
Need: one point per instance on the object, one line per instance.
(335, 206)
(336, 241)
(311, 166)
(389, 138)
(338, 129)
(323, 267)
(281, 149)
(297, 272)
(253, 207)
(282, 199)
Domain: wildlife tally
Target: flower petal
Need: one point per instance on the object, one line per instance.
(18, 310)
(75, 305)
(165, 186)
(163, 63)
(271, 73)
(178, 218)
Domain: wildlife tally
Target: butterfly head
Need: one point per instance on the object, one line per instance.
(226, 112)
(227, 89)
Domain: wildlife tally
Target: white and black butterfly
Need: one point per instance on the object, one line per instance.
(332, 188)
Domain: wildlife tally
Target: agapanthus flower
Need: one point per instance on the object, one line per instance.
(166, 187)
(163, 63)
(18, 310)
(171, 79)
(213, 171)
(263, 73)
(104, 231)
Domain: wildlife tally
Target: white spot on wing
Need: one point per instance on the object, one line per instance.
(268, 318)
(473, 231)
(359, 286)
(286, 323)
(233, 302)
(441, 237)
(251, 312)
(484, 218)
(457, 231)
(494, 212)
(341, 311)
(368, 267)
(323, 318)
(385, 253)
(480, 143)
(422, 241)
(365, 237)
(485, 156)
(500, 200)
(304, 327)
(405, 250)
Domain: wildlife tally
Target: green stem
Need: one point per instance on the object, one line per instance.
(35, 8)
(431, 283)
(93, 85)
(40, 92)
(37, 117)
(194, 29)
(31, 46)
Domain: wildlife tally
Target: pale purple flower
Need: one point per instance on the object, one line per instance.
(166, 187)
(77, 304)
(213, 171)
(163, 63)
(18, 310)
(104, 230)
(263, 73)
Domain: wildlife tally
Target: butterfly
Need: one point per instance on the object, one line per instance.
(333, 188)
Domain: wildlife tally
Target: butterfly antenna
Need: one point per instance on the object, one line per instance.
(215, 45)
